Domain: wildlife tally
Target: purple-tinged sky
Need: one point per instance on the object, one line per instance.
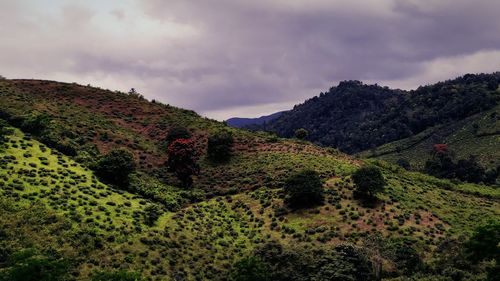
(226, 58)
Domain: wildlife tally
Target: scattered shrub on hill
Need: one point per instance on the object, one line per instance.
(304, 189)
(403, 163)
(151, 214)
(182, 161)
(176, 133)
(220, 146)
(35, 123)
(368, 181)
(120, 275)
(116, 166)
(301, 133)
(250, 269)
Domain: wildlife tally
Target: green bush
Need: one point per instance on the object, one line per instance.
(250, 269)
(120, 275)
(151, 214)
(304, 189)
(219, 146)
(116, 166)
(368, 181)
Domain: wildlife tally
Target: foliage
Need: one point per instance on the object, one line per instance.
(176, 133)
(29, 265)
(485, 242)
(354, 117)
(301, 133)
(120, 275)
(116, 166)
(151, 214)
(220, 146)
(368, 181)
(182, 160)
(250, 269)
(304, 189)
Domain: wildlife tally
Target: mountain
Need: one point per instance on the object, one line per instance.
(355, 117)
(238, 122)
(60, 220)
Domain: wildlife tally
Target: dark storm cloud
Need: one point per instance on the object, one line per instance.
(227, 57)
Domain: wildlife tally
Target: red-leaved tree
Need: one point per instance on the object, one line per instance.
(182, 160)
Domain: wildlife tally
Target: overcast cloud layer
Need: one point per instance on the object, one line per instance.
(227, 58)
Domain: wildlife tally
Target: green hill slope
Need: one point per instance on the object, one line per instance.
(477, 135)
(57, 216)
(104, 228)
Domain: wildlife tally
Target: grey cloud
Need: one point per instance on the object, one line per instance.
(251, 53)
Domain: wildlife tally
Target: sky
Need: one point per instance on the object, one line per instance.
(246, 58)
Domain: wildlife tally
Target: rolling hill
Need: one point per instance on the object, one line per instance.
(58, 218)
(355, 117)
(238, 122)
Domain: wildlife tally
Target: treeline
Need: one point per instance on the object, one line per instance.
(443, 165)
(354, 117)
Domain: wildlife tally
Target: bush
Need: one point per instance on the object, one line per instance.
(368, 181)
(120, 275)
(219, 146)
(485, 243)
(250, 269)
(176, 133)
(301, 133)
(29, 265)
(116, 166)
(151, 214)
(304, 189)
(182, 161)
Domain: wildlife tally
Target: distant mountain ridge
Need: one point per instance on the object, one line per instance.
(355, 117)
(239, 122)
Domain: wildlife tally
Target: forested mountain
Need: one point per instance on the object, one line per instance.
(354, 117)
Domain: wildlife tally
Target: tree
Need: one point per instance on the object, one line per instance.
(151, 214)
(368, 181)
(176, 133)
(304, 189)
(485, 243)
(301, 133)
(219, 146)
(30, 265)
(250, 269)
(182, 160)
(116, 166)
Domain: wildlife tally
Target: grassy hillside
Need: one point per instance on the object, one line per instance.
(104, 228)
(477, 135)
(57, 215)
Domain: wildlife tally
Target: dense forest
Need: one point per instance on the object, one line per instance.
(354, 117)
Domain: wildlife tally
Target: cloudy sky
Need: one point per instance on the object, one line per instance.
(227, 58)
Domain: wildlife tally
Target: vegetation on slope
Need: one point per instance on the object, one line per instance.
(354, 117)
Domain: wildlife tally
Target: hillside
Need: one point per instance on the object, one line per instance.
(238, 122)
(354, 117)
(58, 216)
(477, 135)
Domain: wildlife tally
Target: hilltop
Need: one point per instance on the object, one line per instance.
(57, 213)
(355, 117)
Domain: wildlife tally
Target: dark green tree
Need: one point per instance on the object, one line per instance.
(250, 269)
(368, 181)
(116, 166)
(30, 265)
(151, 214)
(304, 189)
(485, 243)
(301, 133)
(220, 146)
